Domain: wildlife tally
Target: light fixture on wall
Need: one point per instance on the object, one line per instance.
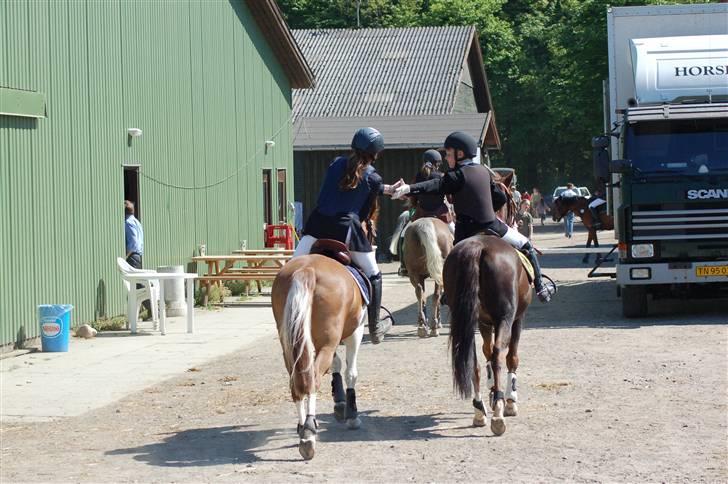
(269, 144)
(132, 133)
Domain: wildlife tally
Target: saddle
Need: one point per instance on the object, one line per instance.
(338, 251)
(526, 265)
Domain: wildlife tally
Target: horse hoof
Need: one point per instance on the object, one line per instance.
(340, 411)
(434, 332)
(511, 409)
(498, 425)
(479, 420)
(353, 423)
(422, 332)
(307, 449)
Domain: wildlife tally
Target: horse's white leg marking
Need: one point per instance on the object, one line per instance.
(301, 409)
(511, 409)
(336, 363)
(352, 343)
(312, 404)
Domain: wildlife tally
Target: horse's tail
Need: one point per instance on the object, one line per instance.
(428, 238)
(464, 319)
(298, 349)
(401, 222)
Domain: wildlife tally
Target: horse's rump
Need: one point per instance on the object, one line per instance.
(434, 242)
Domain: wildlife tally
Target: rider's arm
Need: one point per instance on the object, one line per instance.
(450, 183)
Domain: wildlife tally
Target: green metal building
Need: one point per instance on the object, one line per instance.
(207, 83)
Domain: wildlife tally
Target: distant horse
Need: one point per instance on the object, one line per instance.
(487, 287)
(317, 305)
(427, 242)
(507, 213)
(580, 207)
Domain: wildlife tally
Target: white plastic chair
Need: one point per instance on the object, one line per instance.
(149, 289)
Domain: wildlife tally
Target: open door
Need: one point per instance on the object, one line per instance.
(131, 188)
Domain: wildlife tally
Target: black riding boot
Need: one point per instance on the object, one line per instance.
(377, 328)
(597, 224)
(543, 292)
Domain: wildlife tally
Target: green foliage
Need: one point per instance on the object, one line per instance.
(217, 295)
(545, 61)
(115, 323)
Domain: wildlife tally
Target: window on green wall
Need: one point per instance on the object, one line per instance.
(267, 197)
(282, 199)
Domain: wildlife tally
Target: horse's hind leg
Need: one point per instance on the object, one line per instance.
(511, 409)
(436, 323)
(419, 284)
(500, 346)
(337, 389)
(589, 237)
(353, 343)
(480, 414)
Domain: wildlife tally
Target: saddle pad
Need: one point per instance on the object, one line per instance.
(361, 281)
(526, 264)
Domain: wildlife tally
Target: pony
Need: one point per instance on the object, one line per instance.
(427, 242)
(317, 305)
(488, 288)
(580, 207)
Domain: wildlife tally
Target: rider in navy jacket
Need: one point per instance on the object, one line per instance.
(350, 188)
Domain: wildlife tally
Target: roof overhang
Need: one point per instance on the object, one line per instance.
(270, 19)
(400, 132)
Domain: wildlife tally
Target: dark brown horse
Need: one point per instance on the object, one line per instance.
(317, 306)
(487, 288)
(580, 207)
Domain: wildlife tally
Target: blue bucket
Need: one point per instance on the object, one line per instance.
(55, 326)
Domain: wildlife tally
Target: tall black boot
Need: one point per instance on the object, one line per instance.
(543, 292)
(377, 329)
(597, 224)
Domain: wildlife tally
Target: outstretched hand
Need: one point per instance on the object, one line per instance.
(389, 189)
(400, 192)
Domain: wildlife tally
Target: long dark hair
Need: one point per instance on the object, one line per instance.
(355, 165)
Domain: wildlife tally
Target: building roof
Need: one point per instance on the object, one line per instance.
(400, 132)
(269, 18)
(383, 72)
(398, 73)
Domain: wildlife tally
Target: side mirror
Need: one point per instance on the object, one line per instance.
(600, 142)
(620, 166)
(600, 158)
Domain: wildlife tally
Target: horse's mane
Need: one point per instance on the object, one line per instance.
(370, 225)
(504, 183)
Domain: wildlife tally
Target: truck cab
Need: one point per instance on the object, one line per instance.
(668, 167)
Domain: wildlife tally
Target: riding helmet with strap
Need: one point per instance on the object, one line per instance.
(464, 142)
(368, 140)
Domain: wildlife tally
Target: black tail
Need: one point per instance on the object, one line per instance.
(464, 316)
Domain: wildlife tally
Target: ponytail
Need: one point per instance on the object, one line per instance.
(355, 166)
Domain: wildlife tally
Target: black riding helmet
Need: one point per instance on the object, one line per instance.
(432, 156)
(464, 142)
(368, 140)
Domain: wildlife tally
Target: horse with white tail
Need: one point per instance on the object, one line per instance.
(427, 242)
(317, 305)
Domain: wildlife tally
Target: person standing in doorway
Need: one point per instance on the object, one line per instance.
(134, 235)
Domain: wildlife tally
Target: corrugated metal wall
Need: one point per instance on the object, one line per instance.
(200, 81)
(395, 164)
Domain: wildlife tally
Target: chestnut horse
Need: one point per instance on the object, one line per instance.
(580, 207)
(487, 287)
(427, 242)
(317, 305)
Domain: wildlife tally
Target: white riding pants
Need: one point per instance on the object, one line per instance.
(366, 261)
(515, 238)
(597, 203)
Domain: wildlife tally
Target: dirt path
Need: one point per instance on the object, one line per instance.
(602, 399)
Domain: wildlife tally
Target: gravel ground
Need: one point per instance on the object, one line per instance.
(601, 399)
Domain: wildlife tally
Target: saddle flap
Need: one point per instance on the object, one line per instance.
(333, 249)
(526, 265)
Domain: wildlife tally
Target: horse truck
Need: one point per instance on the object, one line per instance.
(664, 156)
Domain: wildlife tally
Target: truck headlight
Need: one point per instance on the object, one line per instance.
(640, 273)
(641, 251)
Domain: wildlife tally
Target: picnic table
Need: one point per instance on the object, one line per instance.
(247, 266)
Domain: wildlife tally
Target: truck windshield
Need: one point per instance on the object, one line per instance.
(678, 146)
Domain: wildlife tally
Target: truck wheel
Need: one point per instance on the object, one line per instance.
(634, 301)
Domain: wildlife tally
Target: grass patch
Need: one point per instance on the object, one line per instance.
(115, 323)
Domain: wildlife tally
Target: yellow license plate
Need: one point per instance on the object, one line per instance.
(711, 271)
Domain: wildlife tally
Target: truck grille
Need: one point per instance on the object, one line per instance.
(693, 224)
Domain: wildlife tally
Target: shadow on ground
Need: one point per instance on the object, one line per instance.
(237, 444)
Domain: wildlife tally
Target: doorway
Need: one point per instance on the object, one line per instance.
(131, 188)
